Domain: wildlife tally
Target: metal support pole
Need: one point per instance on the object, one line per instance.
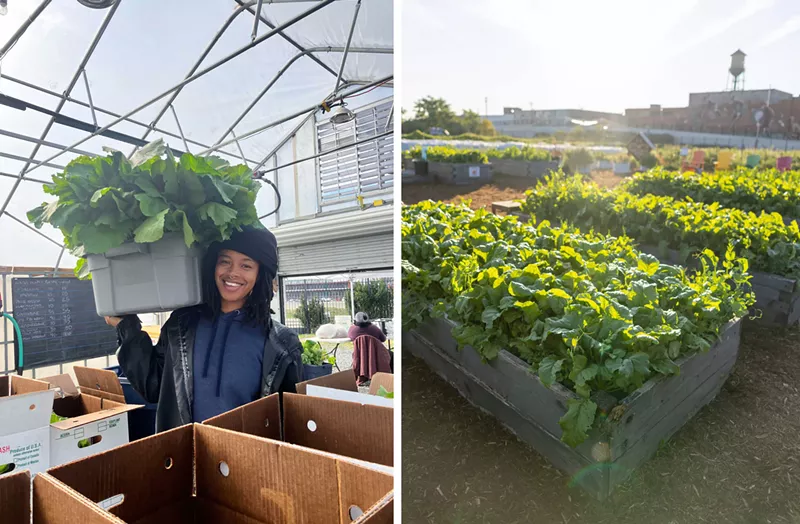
(96, 40)
(109, 113)
(239, 146)
(28, 159)
(293, 132)
(292, 116)
(212, 67)
(239, 10)
(334, 150)
(24, 27)
(389, 118)
(256, 19)
(352, 297)
(89, 95)
(180, 129)
(347, 46)
(280, 73)
(10, 175)
(54, 145)
(58, 261)
(269, 24)
(32, 228)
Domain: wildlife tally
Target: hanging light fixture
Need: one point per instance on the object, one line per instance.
(3, 7)
(96, 4)
(342, 115)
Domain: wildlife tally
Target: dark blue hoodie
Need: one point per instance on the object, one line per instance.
(227, 362)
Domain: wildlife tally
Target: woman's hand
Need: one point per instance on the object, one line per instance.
(113, 321)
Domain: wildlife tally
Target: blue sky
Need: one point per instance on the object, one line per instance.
(607, 55)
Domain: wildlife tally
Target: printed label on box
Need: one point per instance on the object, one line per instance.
(28, 450)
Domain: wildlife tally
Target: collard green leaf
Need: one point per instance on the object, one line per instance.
(220, 214)
(549, 368)
(151, 206)
(577, 421)
(151, 229)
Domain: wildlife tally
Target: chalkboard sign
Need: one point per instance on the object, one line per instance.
(58, 321)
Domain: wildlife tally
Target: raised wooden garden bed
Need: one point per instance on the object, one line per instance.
(522, 168)
(460, 174)
(777, 297)
(507, 389)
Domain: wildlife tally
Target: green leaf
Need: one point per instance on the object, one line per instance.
(549, 368)
(577, 421)
(145, 183)
(151, 206)
(489, 315)
(100, 238)
(155, 148)
(220, 214)
(151, 229)
(188, 232)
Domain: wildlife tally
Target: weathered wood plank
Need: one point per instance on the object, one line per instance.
(508, 376)
(588, 476)
(660, 396)
(622, 468)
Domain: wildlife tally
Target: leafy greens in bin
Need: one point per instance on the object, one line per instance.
(585, 310)
(104, 202)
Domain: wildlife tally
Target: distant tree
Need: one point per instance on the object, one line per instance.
(486, 128)
(471, 121)
(436, 111)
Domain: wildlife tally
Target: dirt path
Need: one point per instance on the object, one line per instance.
(737, 461)
(503, 187)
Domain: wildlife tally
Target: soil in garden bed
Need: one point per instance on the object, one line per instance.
(502, 187)
(736, 461)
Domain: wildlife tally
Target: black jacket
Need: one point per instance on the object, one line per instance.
(162, 372)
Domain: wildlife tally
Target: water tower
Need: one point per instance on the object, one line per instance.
(737, 70)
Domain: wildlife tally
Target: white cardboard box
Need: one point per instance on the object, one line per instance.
(94, 418)
(25, 408)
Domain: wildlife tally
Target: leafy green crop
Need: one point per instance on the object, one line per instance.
(383, 392)
(585, 310)
(527, 154)
(688, 227)
(746, 189)
(104, 202)
(314, 355)
(456, 156)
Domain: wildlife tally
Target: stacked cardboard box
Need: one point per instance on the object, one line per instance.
(97, 416)
(25, 409)
(359, 431)
(203, 474)
(15, 498)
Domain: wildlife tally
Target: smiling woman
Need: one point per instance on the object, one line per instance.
(231, 343)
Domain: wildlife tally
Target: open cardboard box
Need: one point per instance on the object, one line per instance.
(15, 498)
(97, 415)
(25, 408)
(201, 474)
(356, 431)
(342, 386)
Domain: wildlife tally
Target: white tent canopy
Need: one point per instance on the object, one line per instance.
(96, 65)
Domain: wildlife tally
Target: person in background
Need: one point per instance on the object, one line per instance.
(221, 354)
(362, 326)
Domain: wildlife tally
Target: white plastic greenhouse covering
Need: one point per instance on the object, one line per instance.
(146, 47)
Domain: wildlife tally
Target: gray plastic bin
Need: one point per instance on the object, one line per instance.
(146, 278)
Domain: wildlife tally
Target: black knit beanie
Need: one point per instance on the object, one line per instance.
(258, 244)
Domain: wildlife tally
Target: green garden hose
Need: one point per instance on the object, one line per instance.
(19, 339)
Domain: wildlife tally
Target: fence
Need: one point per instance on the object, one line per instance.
(309, 302)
